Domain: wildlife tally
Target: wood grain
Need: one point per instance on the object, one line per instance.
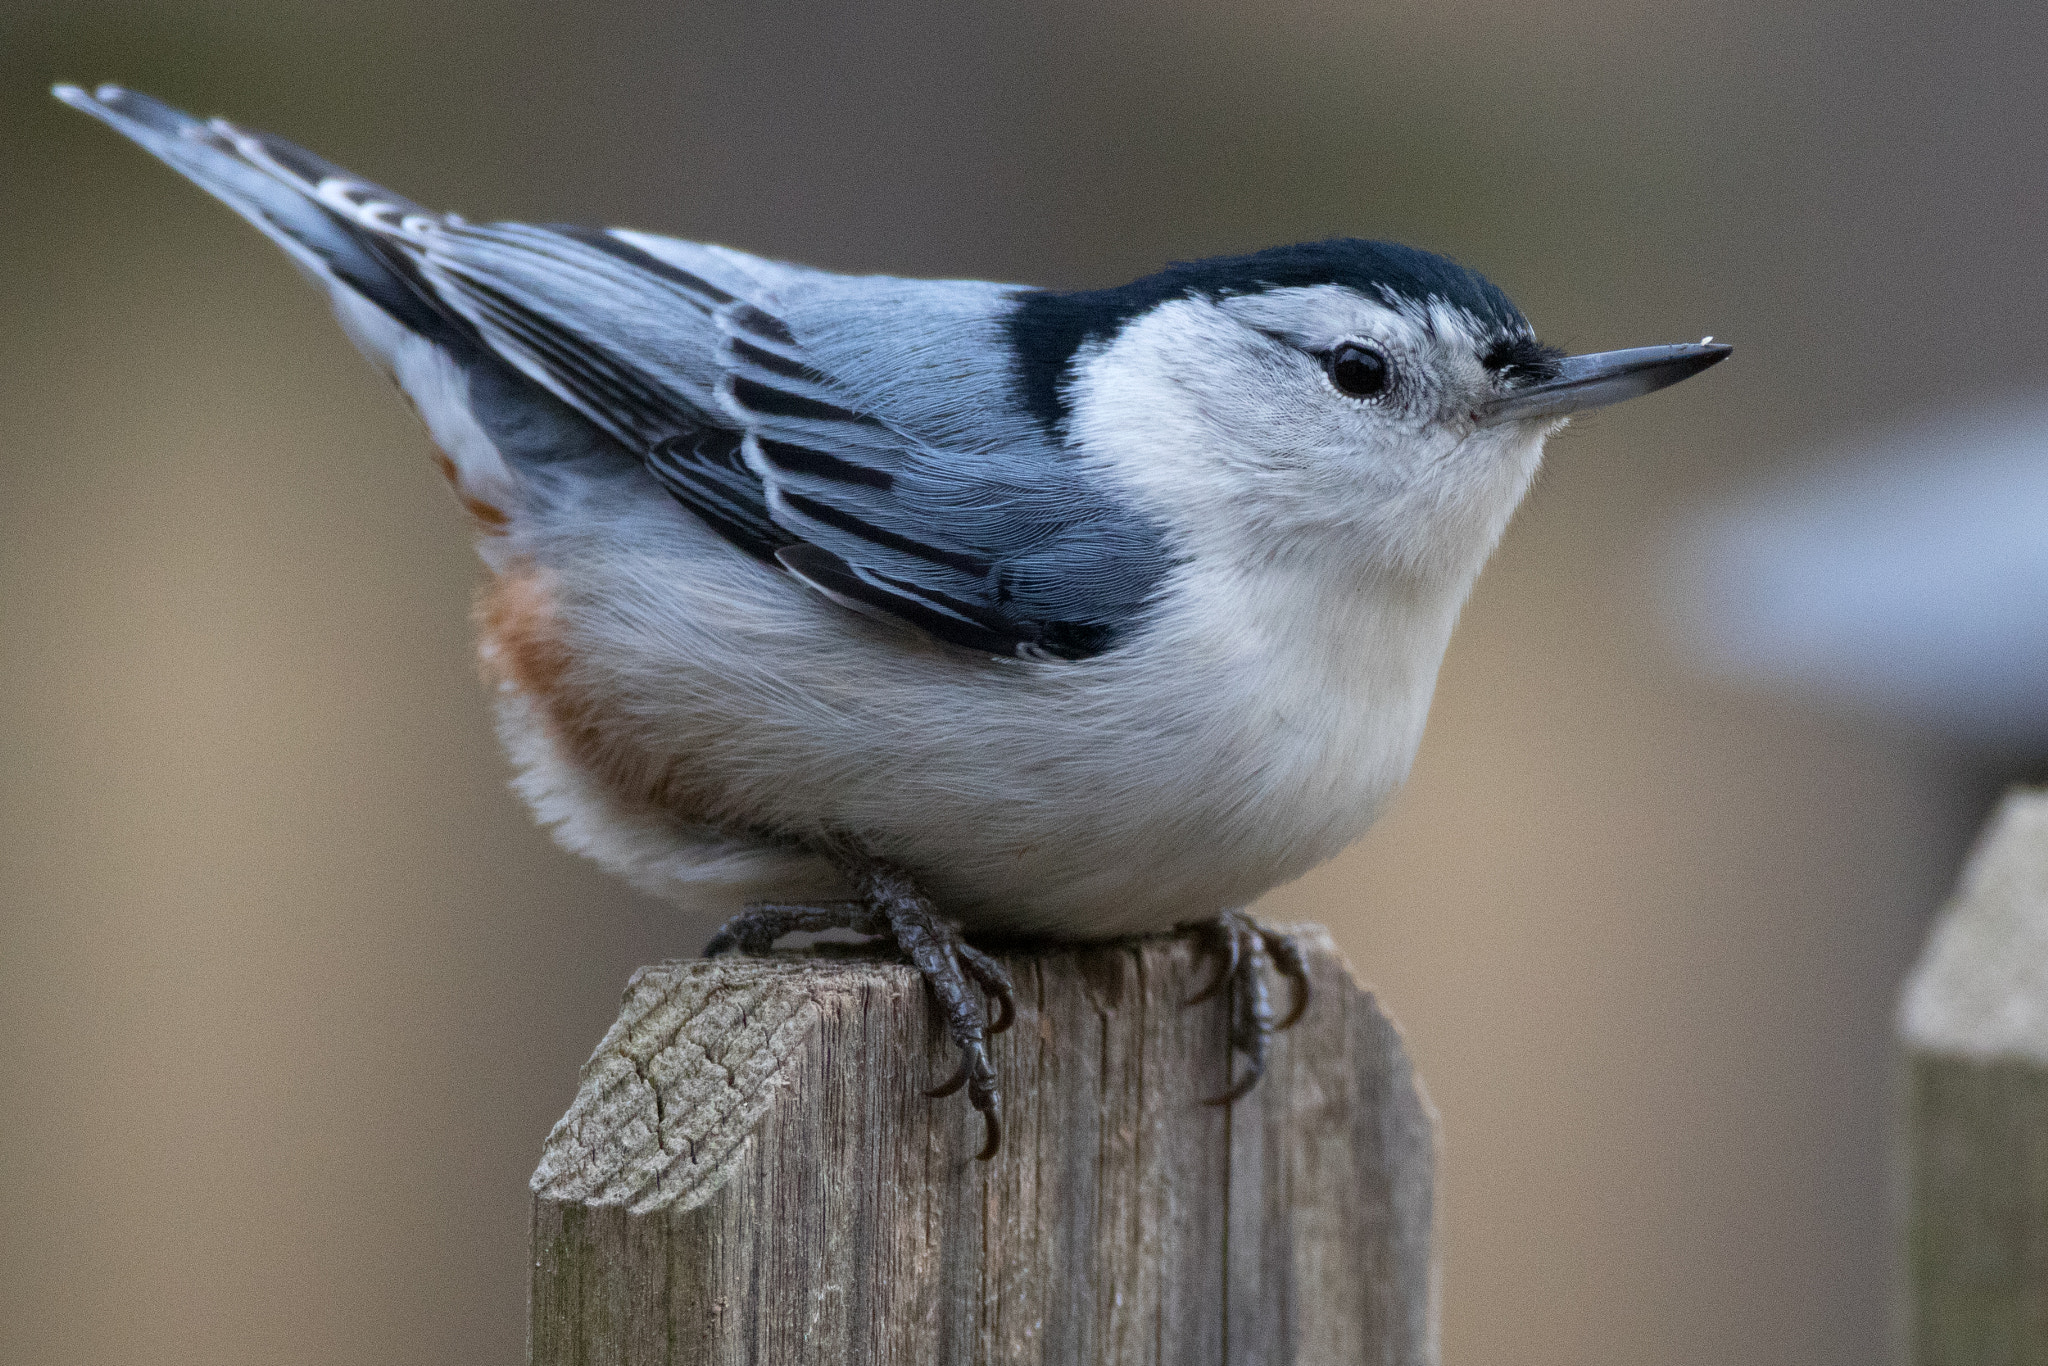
(750, 1173)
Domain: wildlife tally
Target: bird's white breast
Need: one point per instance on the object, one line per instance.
(1251, 731)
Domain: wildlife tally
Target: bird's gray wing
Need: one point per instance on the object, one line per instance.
(880, 416)
(859, 432)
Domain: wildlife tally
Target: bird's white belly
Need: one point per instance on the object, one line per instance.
(1194, 834)
(1157, 783)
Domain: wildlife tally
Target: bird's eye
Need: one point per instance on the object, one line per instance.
(1358, 370)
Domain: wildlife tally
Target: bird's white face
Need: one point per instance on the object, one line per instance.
(1312, 421)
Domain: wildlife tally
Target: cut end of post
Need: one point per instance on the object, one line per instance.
(679, 1082)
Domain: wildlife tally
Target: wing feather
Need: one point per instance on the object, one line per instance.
(861, 433)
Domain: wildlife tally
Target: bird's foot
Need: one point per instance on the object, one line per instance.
(1244, 948)
(891, 907)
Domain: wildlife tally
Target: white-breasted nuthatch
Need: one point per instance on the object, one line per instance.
(925, 605)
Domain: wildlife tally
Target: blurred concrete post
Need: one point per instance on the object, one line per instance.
(749, 1173)
(1974, 1021)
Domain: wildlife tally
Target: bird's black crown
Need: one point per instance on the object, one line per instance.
(1048, 326)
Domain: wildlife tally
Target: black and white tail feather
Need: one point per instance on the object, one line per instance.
(752, 391)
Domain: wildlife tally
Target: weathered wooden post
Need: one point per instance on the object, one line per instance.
(1974, 1022)
(749, 1173)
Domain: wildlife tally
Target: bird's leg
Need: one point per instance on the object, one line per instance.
(891, 906)
(1244, 949)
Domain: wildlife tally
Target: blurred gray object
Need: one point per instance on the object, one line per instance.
(1908, 577)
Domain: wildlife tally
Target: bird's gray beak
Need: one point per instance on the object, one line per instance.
(1602, 378)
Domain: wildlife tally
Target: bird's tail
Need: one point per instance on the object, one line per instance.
(331, 223)
(347, 235)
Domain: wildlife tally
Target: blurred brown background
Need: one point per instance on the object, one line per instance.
(290, 988)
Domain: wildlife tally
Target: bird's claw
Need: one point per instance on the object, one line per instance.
(891, 907)
(1244, 949)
